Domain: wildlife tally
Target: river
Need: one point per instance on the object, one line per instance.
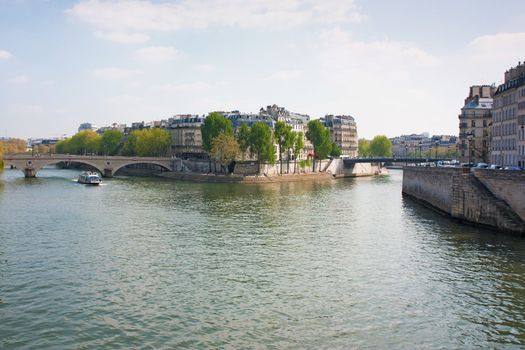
(148, 263)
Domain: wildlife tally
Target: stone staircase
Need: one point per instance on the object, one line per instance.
(475, 202)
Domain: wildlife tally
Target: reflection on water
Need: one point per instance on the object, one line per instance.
(146, 263)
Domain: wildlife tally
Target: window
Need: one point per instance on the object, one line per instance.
(473, 123)
(484, 123)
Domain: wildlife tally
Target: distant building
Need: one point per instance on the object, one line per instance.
(298, 121)
(87, 126)
(423, 145)
(508, 119)
(475, 124)
(237, 118)
(343, 130)
(186, 135)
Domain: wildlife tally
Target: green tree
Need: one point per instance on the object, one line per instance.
(225, 149)
(261, 143)
(129, 145)
(214, 124)
(154, 142)
(320, 138)
(288, 145)
(297, 147)
(335, 151)
(84, 142)
(282, 135)
(111, 142)
(363, 148)
(62, 146)
(380, 146)
(243, 138)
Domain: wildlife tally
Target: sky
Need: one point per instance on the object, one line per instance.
(397, 66)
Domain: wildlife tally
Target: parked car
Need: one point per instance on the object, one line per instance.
(481, 166)
(495, 167)
(467, 165)
(512, 167)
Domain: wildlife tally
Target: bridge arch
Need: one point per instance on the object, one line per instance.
(163, 165)
(31, 167)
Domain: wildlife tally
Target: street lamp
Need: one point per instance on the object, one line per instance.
(420, 145)
(437, 143)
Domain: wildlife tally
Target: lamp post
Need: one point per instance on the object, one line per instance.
(420, 145)
(437, 143)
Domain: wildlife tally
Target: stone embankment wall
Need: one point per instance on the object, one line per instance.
(333, 167)
(490, 199)
(508, 186)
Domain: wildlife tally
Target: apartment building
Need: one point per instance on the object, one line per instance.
(508, 119)
(343, 130)
(475, 125)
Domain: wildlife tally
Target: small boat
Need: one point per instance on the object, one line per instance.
(89, 178)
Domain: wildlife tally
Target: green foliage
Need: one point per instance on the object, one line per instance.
(152, 142)
(363, 148)
(111, 142)
(261, 142)
(84, 142)
(380, 146)
(130, 144)
(243, 138)
(225, 149)
(320, 138)
(303, 163)
(283, 135)
(214, 124)
(335, 151)
(298, 144)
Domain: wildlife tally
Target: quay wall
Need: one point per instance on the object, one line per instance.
(470, 196)
(508, 186)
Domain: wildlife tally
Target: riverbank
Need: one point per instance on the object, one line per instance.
(490, 198)
(246, 172)
(245, 179)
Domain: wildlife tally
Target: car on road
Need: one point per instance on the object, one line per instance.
(481, 166)
(495, 167)
(512, 167)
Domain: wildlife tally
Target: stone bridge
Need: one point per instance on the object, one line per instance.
(106, 165)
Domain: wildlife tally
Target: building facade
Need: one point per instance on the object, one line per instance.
(508, 119)
(186, 135)
(343, 130)
(424, 146)
(475, 125)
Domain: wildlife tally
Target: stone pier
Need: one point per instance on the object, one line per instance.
(492, 198)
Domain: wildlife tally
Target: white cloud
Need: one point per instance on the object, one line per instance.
(23, 109)
(124, 100)
(19, 80)
(340, 50)
(498, 48)
(203, 67)
(123, 37)
(114, 73)
(197, 86)
(133, 15)
(156, 54)
(5, 55)
(285, 75)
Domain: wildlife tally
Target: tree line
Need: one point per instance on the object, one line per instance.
(153, 142)
(225, 145)
(11, 146)
(380, 146)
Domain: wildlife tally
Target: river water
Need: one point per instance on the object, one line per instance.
(148, 263)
